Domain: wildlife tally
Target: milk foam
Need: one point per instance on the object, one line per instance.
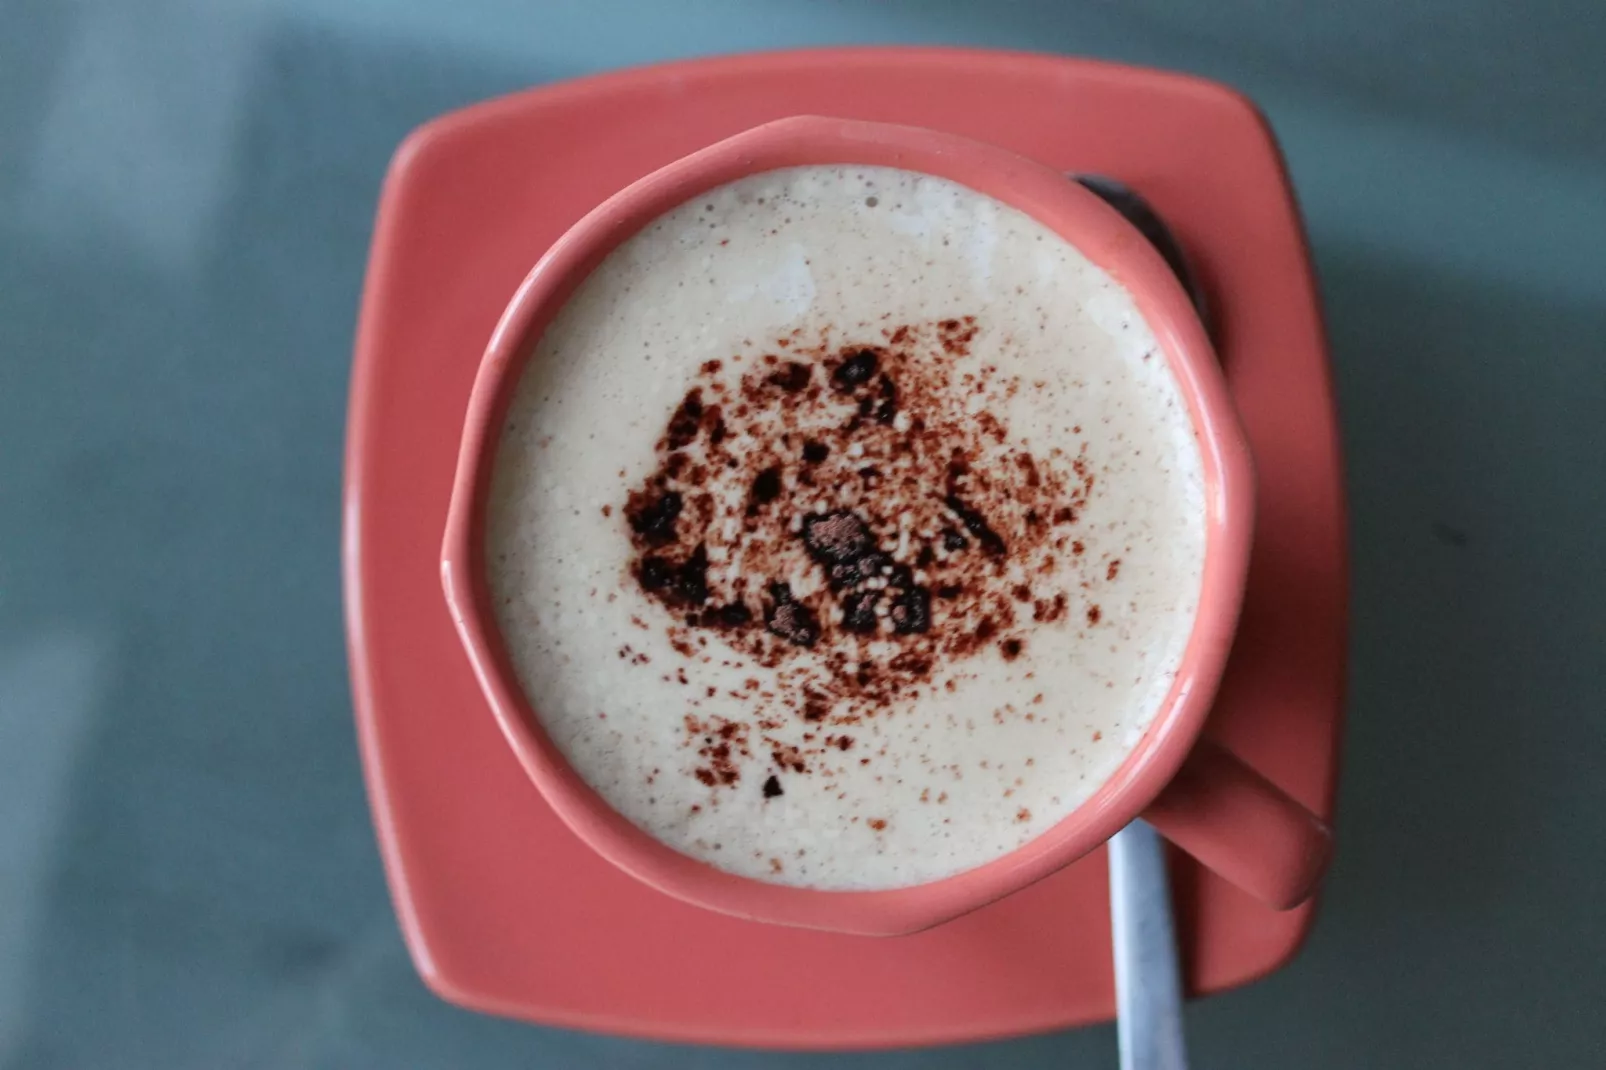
(992, 750)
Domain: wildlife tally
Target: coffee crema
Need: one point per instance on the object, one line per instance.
(846, 528)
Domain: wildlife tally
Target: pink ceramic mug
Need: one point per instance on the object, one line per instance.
(1199, 796)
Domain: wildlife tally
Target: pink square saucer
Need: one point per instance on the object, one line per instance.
(502, 908)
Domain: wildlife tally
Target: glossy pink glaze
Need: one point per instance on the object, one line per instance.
(1265, 842)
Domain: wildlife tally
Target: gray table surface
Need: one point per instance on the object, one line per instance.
(187, 872)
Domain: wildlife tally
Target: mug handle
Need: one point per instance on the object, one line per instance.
(1243, 827)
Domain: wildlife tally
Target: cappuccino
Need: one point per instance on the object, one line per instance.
(846, 528)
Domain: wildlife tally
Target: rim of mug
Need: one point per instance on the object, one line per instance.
(1084, 221)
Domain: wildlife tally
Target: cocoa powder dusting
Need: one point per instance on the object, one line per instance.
(842, 517)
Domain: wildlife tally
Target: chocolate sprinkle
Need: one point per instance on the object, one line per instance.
(977, 525)
(911, 611)
(654, 518)
(684, 584)
(859, 611)
(684, 424)
(855, 370)
(838, 538)
(792, 376)
(767, 486)
(818, 514)
(791, 620)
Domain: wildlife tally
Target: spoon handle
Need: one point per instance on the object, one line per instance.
(1148, 988)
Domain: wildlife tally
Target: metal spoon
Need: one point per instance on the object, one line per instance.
(1148, 983)
(1142, 215)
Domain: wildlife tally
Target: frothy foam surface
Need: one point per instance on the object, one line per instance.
(846, 528)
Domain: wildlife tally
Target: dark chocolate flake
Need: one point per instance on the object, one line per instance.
(859, 570)
(855, 370)
(791, 376)
(683, 584)
(977, 525)
(734, 615)
(772, 788)
(910, 612)
(792, 621)
(858, 612)
(654, 518)
(655, 574)
(688, 417)
(837, 538)
(886, 409)
(767, 486)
